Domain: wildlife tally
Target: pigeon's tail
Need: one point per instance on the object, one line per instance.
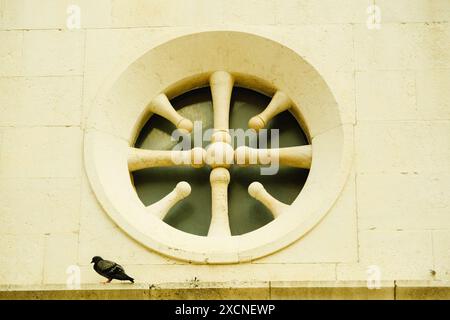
(124, 277)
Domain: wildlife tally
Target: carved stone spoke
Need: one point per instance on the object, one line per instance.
(220, 226)
(299, 157)
(220, 154)
(162, 207)
(280, 102)
(141, 158)
(257, 191)
(162, 106)
(221, 83)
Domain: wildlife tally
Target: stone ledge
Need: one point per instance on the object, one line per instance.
(331, 290)
(423, 290)
(345, 290)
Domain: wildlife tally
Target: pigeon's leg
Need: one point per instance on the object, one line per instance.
(105, 282)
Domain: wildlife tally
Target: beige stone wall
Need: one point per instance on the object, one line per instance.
(392, 83)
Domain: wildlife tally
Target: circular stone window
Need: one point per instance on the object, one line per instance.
(193, 214)
(253, 195)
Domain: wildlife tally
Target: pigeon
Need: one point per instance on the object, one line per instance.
(110, 270)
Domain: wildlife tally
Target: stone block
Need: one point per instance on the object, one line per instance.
(321, 12)
(11, 53)
(41, 152)
(414, 10)
(402, 46)
(42, 101)
(402, 147)
(330, 290)
(22, 260)
(211, 291)
(386, 95)
(422, 290)
(433, 100)
(53, 52)
(403, 201)
(38, 206)
(328, 48)
(399, 255)
(251, 12)
(153, 13)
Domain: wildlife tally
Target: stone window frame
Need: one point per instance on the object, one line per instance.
(180, 65)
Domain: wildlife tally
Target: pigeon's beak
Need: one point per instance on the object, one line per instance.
(92, 261)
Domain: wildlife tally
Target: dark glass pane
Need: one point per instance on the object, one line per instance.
(193, 214)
